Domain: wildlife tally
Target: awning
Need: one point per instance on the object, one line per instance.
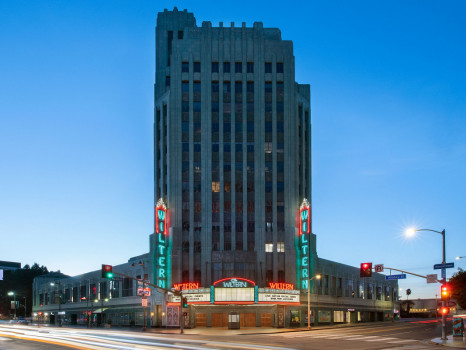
(99, 311)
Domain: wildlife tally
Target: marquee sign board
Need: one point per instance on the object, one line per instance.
(304, 245)
(234, 283)
(279, 298)
(192, 298)
(161, 238)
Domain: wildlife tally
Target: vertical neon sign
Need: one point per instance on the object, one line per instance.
(304, 245)
(161, 243)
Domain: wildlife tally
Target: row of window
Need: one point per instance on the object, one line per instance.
(227, 67)
(88, 292)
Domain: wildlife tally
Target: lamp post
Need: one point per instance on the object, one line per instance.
(460, 257)
(309, 300)
(143, 296)
(14, 300)
(411, 232)
(59, 301)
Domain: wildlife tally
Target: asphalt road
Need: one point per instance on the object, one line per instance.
(406, 334)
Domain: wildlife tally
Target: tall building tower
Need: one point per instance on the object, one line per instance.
(232, 154)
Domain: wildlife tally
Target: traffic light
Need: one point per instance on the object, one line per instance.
(444, 310)
(445, 292)
(185, 302)
(365, 270)
(107, 271)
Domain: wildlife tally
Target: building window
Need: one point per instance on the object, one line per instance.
(269, 247)
(197, 67)
(167, 80)
(281, 247)
(226, 67)
(185, 67)
(268, 67)
(180, 34)
(250, 67)
(279, 67)
(268, 226)
(238, 67)
(215, 67)
(127, 287)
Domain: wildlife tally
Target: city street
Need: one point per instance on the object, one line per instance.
(407, 334)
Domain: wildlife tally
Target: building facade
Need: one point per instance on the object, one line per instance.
(232, 173)
(232, 138)
(233, 210)
(89, 299)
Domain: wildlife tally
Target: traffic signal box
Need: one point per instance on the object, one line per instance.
(185, 302)
(365, 270)
(445, 292)
(107, 271)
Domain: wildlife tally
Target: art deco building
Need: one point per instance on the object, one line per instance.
(232, 150)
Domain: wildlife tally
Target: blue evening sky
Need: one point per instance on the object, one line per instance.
(388, 115)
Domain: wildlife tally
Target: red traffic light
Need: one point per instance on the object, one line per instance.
(445, 310)
(445, 292)
(365, 270)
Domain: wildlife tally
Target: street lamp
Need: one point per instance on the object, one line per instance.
(14, 300)
(460, 257)
(411, 232)
(59, 301)
(143, 296)
(309, 299)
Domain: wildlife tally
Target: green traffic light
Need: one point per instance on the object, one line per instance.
(110, 275)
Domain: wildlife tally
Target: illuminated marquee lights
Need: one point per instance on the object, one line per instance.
(161, 243)
(186, 286)
(279, 285)
(304, 247)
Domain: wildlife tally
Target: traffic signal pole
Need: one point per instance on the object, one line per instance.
(444, 316)
(181, 312)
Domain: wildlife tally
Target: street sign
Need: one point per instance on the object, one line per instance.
(143, 302)
(378, 268)
(444, 266)
(395, 277)
(444, 273)
(451, 303)
(432, 278)
(145, 292)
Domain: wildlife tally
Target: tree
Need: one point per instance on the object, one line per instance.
(20, 282)
(458, 287)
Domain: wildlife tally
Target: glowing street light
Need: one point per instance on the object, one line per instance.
(410, 232)
(309, 299)
(14, 300)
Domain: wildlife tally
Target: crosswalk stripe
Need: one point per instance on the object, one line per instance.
(382, 339)
(402, 341)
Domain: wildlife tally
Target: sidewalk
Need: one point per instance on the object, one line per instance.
(454, 342)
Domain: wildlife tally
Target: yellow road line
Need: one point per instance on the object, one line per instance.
(45, 341)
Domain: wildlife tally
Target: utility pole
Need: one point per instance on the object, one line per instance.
(181, 312)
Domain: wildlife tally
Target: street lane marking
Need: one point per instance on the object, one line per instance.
(43, 341)
(402, 341)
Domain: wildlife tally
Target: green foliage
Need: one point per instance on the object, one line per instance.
(20, 282)
(458, 287)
